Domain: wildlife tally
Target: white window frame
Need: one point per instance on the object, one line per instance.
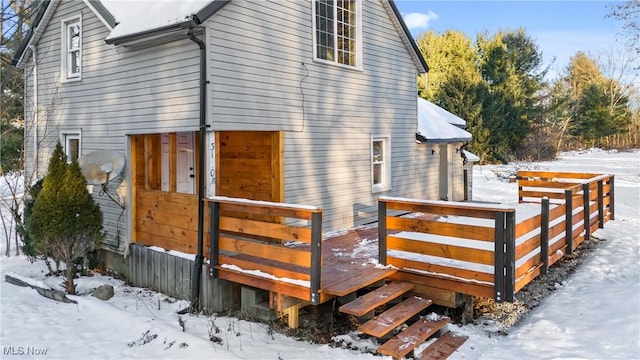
(65, 138)
(66, 50)
(358, 36)
(385, 184)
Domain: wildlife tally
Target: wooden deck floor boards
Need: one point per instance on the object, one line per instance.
(348, 262)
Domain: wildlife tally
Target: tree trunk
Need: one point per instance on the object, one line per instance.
(71, 272)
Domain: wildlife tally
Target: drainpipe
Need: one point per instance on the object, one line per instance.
(35, 108)
(197, 268)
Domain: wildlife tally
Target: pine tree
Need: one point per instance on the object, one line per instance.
(65, 216)
(31, 246)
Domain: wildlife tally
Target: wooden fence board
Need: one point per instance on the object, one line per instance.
(267, 229)
(280, 287)
(556, 230)
(444, 209)
(540, 194)
(473, 232)
(279, 272)
(546, 184)
(526, 278)
(266, 211)
(555, 174)
(440, 269)
(528, 225)
(441, 250)
(526, 266)
(469, 288)
(557, 212)
(528, 246)
(557, 254)
(268, 251)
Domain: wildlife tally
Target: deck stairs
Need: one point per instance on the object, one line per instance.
(401, 308)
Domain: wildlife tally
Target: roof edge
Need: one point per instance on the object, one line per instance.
(424, 140)
(45, 5)
(208, 11)
(147, 34)
(396, 11)
(194, 19)
(103, 14)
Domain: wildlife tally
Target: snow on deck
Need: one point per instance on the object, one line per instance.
(263, 203)
(265, 275)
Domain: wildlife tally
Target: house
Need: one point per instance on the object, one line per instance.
(438, 126)
(304, 102)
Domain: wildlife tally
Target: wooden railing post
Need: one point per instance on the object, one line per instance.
(316, 257)
(611, 198)
(520, 198)
(600, 204)
(568, 202)
(382, 232)
(499, 257)
(214, 238)
(587, 210)
(510, 257)
(544, 235)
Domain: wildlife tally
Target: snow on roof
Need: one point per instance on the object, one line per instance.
(157, 14)
(437, 124)
(471, 156)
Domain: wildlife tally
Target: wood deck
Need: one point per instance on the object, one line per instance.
(348, 264)
(472, 252)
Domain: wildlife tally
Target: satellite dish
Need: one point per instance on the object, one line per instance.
(99, 167)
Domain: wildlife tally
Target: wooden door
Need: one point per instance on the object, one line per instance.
(186, 173)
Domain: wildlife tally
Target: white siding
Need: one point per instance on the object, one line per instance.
(263, 77)
(121, 92)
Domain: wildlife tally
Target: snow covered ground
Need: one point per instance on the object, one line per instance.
(595, 314)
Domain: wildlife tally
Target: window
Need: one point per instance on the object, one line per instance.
(71, 48)
(71, 143)
(380, 164)
(337, 31)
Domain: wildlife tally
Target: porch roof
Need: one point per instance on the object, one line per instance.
(436, 124)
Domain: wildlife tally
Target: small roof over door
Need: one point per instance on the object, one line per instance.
(436, 124)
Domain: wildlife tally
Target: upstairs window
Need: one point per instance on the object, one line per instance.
(380, 164)
(337, 31)
(71, 48)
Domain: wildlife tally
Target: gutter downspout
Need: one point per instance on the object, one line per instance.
(197, 268)
(35, 108)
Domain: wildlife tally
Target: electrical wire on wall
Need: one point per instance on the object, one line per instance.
(302, 93)
(105, 191)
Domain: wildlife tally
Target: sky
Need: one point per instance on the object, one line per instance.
(560, 28)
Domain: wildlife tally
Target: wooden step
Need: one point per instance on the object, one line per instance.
(394, 317)
(442, 348)
(359, 280)
(410, 338)
(380, 296)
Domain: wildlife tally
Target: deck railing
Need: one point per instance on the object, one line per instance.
(479, 249)
(564, 220)
(263, 236)
(472, 252)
